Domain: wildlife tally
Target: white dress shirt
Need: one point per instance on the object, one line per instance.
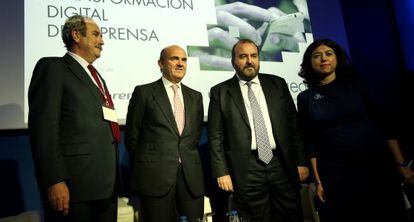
(84, 65)
(170, 92)
(260, 97)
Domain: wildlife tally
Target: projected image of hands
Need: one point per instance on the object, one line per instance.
(273, 28)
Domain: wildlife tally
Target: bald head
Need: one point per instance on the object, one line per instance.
(173, 63)
(165, 50)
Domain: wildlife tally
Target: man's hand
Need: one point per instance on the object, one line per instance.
(225, 183)
(58, 196)
(303, 173)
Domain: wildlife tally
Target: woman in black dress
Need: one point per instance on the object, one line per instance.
(351, 148)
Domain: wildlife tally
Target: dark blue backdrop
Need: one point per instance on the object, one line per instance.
(405, 23)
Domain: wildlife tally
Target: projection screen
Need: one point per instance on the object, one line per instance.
(135, 31)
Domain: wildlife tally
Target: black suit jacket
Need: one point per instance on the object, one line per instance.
(70, 139)
(154, 143)
(229, 130)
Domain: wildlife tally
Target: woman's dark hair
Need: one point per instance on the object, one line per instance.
(343, 69)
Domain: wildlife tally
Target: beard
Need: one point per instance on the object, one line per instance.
(246, 73)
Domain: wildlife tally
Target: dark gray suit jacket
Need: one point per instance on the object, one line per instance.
(154, 143)
(229, 130)
(70, 139)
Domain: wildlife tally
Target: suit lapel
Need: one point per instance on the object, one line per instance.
(161, 97)
(188, 104)
(236, 94)
(81, 74)
(271, 93)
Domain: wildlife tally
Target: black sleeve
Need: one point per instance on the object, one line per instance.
(216, 135)
(135, 115)
(46, 92)
(293, 124)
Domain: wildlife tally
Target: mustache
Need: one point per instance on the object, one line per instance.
(249, 66)
(99, 47)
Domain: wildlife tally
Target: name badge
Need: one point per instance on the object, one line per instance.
(109, 114)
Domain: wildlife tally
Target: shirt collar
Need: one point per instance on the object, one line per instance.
(255, 80)
(79, 59)
(168, 84)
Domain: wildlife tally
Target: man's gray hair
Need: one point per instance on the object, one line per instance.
(76, 22)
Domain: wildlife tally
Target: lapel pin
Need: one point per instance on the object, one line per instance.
(318, 96)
